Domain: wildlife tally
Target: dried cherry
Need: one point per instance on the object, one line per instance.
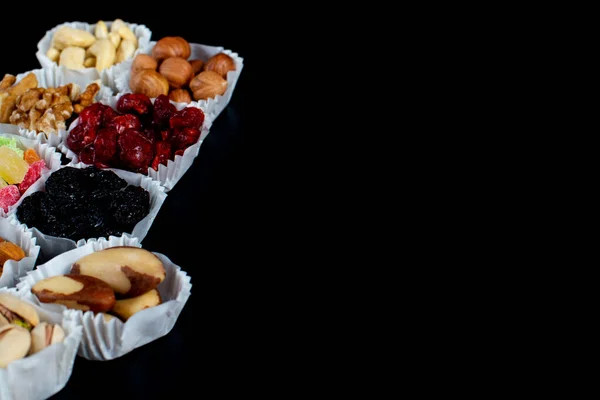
(81, 136)
(93, 115)
(185, 138)
(137, 103)
(163, 153)
(163, 111)
(105, 145)
(86, 155)
(136, 152)
(109, 115)
(123, 122)
(189, 117)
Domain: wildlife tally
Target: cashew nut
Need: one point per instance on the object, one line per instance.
(115, 38)
(89, 62)
(53, 54)
(116, 25)
(101, 30)
(126, 50)
(69, 37)
(105, 53)
(72, 57)
(127, 34)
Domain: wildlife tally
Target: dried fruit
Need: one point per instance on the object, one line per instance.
(105, 145)
(136, 151)
(33, 174)
(163, 111)
(30, 156)
(124, 122)
(9, 195)
(136, 103)
(189, 117)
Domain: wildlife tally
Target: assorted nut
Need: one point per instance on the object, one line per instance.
(77, 48)
(184, 79)
(44, 110)
(95, 281)
(21, 332)
(9, 251)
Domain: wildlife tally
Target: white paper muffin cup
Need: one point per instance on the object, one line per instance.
(168, 175)
(109, 340)
(46, 152)
(120, 82)
(41, 375)
(51, 246)
(52, 77)
(142, 33)
(12, 231)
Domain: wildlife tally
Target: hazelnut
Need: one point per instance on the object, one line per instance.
(171, 46)
(221, 64)
(207, 84)
(180, 96)
(196, 66)
(143, 61)
(178, 72)
(149, 82)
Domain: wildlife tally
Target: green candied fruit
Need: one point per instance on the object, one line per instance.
(11, 143)
(23, 324)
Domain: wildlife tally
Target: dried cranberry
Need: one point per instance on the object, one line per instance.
(136, 152)
(106, 145)
(138, 103)
(123, 122)
(92, 115)
(163, 111)
(185, 138)
(163, 154)
(86, 155)
(109, 115)
(80, 136)
(165, 134)
(99, 164)
(178, 153)
(149, 134)
(189, 117)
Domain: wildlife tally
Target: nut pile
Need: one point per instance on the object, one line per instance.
(119, 281)
(39, 109)
(21, 331)
(77, 48)
(9, 251)
(169, 72)
(137, 136)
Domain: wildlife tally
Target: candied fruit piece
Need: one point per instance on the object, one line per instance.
(12, 166)
(93, 115)
(2, 183)
(105, 145)
(185, 137)
(9, 195)
(123, 122)
(81, 136)
(29, 211)
(163, 111)
(136, 152)
(33, 174)
(138, 103)
(189, 117)
(30, 156)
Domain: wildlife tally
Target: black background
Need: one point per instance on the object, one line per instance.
(211, 223)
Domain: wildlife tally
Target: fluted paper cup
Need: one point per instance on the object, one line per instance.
(109, 340)
(43, 374)
(142, 33)
(20, 235)
(52, 77)
(168, 175)
(46, 152)
(120, 81)
(51, 246)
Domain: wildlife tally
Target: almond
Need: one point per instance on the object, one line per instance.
(10, 251)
